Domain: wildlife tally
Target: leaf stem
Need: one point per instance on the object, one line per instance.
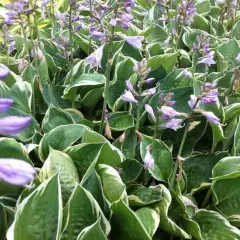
(179, 153)
(206, 199)
(71, 54)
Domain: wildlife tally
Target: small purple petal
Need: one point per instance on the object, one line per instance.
(208, 60)
(4, 72)
(211, 117)
(129, 85)
(149, 80)
(13, 124)
(187, 73)
(16, 172)
(94, 60)
(135, 41)
(149, 109)
(148, 160)
(238, 58)
(5, 104)
(173, 124)
(192, 102)
(128, 97)
(168, 112)
(113, 22)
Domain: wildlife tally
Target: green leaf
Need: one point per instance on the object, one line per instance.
(43, 69)
(199, 168)
(120, 121)
(217, 134)
(230, 51)
(3, 223)
(139, 195)
(162, 157)
(81, 211)
(85, 79)
(226, 196)
(93, 232)
(200, 22)
(92, 97)
(235, 31)
(226, 168)
(125, 223)
(236, 141)
(60, 162)
(10, 148)
(215, 226)
(60, 138)
(203, 7)
(155, 33)
(83, 155)
(131, 169)
(124, 70)
(53, 95)
(39, 216)
(110, 155)
(166, 223)
(55, 117)
(21, 93)
(149, 218)
(168, 61)
(113, 187)
(92, 182)
(175, 79)
(231, 111)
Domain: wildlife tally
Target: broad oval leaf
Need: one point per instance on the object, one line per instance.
(120, 121)
(39, 216)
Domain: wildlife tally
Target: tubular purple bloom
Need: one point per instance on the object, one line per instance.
(96, 34)
(238, 58)
(5, 104)
(129, 85)
(17, 6)
(125, 17)
(148, 160)
(211, 117)
(4, 72)
(135, 41)
(16, 172)
(13, 124)
(128, 97)
(113, 22)
(173, 124)
(94, 60)
(149, 80)
(208, 60)
(168, 112)
(211, 97)
(149, 109)
(193, 101)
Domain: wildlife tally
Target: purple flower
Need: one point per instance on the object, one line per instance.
(16, 172)
(128, 4)
(61, 18)
(173, 124)
(96, 57)
(209, 61)
(211, 117)
(125, 17)
(5, 104)
(148, 160)
(149, 80)
(128, 97)
(96, 34)
(129, 85)
(113, 22)
(211, 97)
(238, 58)
(4, 72)
(135, 41)
(168, 112)
(193, 102)
(187, 73)
(17, 6)
(149, 109)
(13, 124)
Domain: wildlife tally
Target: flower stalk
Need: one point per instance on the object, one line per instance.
(108, 72)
